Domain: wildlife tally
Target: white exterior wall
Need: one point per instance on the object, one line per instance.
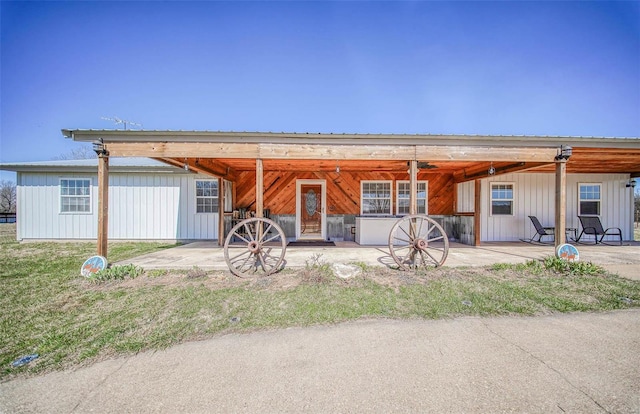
(142, 206)
(466, 200)
(534, 195)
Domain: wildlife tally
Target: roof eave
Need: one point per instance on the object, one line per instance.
(348, 139)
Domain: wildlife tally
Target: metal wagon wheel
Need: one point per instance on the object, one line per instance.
(255, 247)
(417, 241)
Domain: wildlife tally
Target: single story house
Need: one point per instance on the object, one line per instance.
(193, 185)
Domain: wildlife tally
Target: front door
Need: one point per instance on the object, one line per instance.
(310, 212)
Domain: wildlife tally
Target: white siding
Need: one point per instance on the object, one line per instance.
(141, 207)
(534, 195)
(466, 195)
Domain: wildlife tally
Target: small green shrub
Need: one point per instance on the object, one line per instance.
(559, 265)
(316, 270)
(116, 273)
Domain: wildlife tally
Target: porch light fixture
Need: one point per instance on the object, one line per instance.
(631, 183)
(338, 169)
(98, 147)
(492, 171)
(186, 166)
(564, 153)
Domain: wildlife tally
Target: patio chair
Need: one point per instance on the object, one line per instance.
(591, 226)
(541, 231)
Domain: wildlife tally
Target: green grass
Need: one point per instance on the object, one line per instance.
(50, 310)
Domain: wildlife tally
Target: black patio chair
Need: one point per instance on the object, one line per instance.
(541, 231)
(591, 226)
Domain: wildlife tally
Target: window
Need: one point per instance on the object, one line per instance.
(375, 197)
(589, 199)
(403, 197)
(75, 195)
(207, 196)
(501, 199)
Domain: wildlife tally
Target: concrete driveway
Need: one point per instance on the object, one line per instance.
(569, 363)
(624, 260)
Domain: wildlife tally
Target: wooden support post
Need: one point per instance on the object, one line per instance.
(103, 204)
(455, 198)
(413, 187)
(259, 188)
(476, 213)
(561, 201)
(221, 235)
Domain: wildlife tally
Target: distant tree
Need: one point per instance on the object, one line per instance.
(7, 196)
(83, 152)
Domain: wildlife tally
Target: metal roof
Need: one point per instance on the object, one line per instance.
(132, 135)
(116, 164)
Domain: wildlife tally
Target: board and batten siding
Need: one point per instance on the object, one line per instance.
(142, 206)
(534, 195)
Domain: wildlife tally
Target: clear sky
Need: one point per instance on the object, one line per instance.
(539, 68)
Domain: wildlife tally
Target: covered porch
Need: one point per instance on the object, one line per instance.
(624, 260)
(269, 174)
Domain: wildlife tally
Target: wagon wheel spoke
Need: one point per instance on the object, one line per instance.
(259, 252)
(264, 233)
(405, 232)
(417, 241)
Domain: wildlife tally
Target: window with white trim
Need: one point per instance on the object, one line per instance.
(207, 196)
(589, 199)
(375, 197)
(75, 195)
(403, 191)
(502, 199)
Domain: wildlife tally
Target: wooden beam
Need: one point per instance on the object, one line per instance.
(495, 154)
(268, 151)
(482, 172)
(203, 167)
(336, 152)
(182, 150)
(210, 167)
(221, 235)
(476, 213)
(455, 198)
(259, 188)
(413, 187)
(103, 204)
(561, 202)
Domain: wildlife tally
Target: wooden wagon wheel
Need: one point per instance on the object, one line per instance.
(255, 247)
(417, 241)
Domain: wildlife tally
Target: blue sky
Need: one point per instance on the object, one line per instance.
(540, 68)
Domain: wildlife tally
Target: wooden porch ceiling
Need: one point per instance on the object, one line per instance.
(462, 171)
(464, 163)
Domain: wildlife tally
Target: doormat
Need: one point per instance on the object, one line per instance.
(311, 243)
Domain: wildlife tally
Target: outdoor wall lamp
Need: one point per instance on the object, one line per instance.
(631, 183)
(98, 147)
(564, 153)
(492, 171)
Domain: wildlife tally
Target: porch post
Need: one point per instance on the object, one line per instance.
(220, 211)
(476, 213)
(259, 188)
(561, 201)
(103, 203)
(413, 187)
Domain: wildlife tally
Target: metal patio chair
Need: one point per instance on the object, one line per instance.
(591, 226)
(541, 231)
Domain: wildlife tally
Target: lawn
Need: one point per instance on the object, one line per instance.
(49, 309)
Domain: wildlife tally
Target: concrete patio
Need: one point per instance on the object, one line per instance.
(623, 260)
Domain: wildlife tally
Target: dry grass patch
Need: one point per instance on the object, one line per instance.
(69, 321)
